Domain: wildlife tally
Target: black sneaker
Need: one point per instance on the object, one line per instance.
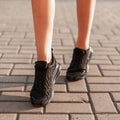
(45, 76)
(79, 65)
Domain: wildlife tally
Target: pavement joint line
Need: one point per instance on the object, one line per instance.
(19, 49)
(110, 59)
(114, 103)
(117, 50)
(100, 43)
(25, 84)
(17, 117)
(11, 69)
(101, 73)
(90, 100)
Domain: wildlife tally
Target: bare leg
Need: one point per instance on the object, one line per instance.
(43, 16)
(85, 13)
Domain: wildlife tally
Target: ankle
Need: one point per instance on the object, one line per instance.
(84, 47)
(44, 58)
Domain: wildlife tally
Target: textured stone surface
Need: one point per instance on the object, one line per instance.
(68, 108)
(43, 117)
(103, 103)
(8, 116)
(108, 117)
(18, 107)
(99, 93)
(82, 117)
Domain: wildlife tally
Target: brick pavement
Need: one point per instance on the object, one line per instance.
(95, 98)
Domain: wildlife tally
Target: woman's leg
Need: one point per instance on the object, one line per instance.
(85, 13)
(43, 16)
(82, 53)
(46, 67)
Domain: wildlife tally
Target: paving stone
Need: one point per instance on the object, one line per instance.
(100, 62)
(30, 35)
(63, 48)
(8, 47)
(113, 37)
(17, 56)
(22, 72)
(116, 62)
(22, 43)
(15, 96)
(27, 51)
(30, 79)
(13, 35)
(106, 53)
(100, 57)
(61, 80)
(64, 66)
(64, 30)
(104, 87)
(108, 116)
(24, 40)
(82, 117)
(11, 60)
(24, 66)
(4, 71)
(98, 36)
(68, 58)
(104, 50)
(11, 79)
(114, 57)
(60, 88)
(3, 43)
(65, 36)
(4, 66)
(11, 87)
(22, 29)
(8, 51)
(118, 106)
(95, 45)
(56, 44)
(103, 103)
(116, 96)
(111, 73)
(43, 117)
(110, 67)
(111, 45)
(8, 28)
(19, 107)
(70, 97)
(93, 71)
(66, 43)
(118, 50)
(103, 80)
(8, 116)
(78, 86)
(104, 32)
(68, 108)
(63, 73)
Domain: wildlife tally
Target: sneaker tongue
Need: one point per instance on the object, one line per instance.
(41, 64)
